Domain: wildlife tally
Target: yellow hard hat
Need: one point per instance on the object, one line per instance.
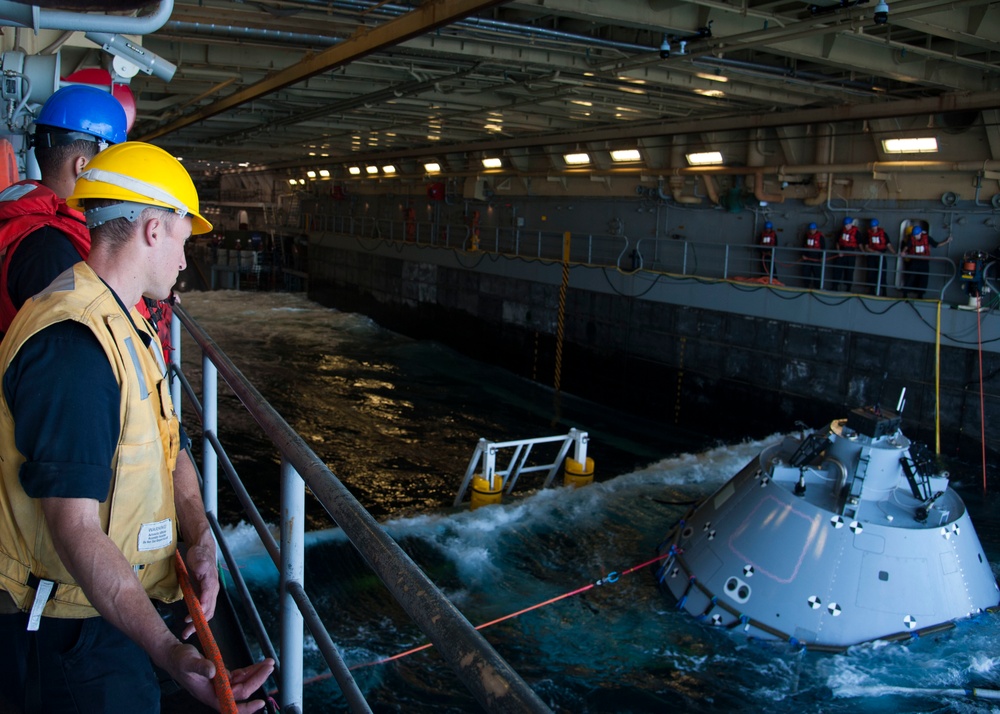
(143, 174)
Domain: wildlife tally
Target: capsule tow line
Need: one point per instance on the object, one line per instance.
(223, 688)
(608, 579)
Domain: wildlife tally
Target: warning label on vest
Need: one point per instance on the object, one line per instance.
(153, 536)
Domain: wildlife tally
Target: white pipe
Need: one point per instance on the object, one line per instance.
(21, 15)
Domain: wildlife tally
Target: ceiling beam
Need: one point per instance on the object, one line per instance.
(960, 101)
(427, 17)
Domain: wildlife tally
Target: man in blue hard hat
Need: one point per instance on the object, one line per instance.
(878, 247)
(916, 251)
(812, 258)
(768, 241)
(845, 259)
(40, 236)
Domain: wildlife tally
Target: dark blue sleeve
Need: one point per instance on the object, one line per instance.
(65, 401)
(37, 261)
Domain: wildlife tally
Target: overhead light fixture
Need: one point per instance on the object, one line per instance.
(492, 163)
(432, 167)
(710, 92)
(324, 173)
(354, 170)
(389, 169)
(371, 170)
(577, 159)
(712, 77)
(292, 182)
(915, 145)
(624, 155)
(311, 174)
(705, 158)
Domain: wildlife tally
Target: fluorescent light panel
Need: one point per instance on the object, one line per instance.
(354, 170)
(577, 159)
(705, 158)
(492, 163)
(371, 170)
(623, 155)
(915, 145)
(389, 169)
(432, 167)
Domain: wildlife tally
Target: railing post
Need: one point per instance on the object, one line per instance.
(579, 445)
(490, 464)
(210, 424)
(175, 360)
(293, 509)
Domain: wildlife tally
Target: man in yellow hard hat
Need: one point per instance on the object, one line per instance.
(90, 503)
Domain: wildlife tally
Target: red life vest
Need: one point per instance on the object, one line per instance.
(29, 206)
(920, 244)
(848, 238)
(26, 207)
(768, 238)
(877, 240)
(814, 240)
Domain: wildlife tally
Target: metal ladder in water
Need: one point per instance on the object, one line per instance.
(484, 460)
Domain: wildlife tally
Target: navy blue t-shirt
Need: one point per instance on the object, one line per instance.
(36, 262)
(66, 426)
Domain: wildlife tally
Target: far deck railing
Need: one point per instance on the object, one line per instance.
(490, 679)
(867, 273)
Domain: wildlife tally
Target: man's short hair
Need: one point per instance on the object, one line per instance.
(118, 231)
(52, 158)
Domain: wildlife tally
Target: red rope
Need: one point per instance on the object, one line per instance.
(512, 615)
(223, 689)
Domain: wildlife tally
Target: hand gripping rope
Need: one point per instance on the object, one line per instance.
(223, 689)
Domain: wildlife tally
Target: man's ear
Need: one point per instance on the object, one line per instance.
(152, 231)
(78, 163)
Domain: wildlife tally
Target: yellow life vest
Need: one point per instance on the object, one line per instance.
(138, 514)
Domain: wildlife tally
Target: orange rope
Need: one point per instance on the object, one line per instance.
(223, 689)
(557, 598)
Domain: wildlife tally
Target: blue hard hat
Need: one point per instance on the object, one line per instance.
(769, 225)
(874, 223)
(80, 112)
(812, 226)
(848, 220)
(917, 230)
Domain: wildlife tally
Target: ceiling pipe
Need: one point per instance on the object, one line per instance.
(824, 152)
(676, 181)
(756, 159)
(710, 189)
(36, 18)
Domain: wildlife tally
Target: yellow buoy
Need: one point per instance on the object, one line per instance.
(577, 474)
(483, 494)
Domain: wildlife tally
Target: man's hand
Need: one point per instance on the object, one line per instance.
(205, 579)
(195, 673)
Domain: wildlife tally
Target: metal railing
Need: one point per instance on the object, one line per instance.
(793, 267)
(490, 679)
(484, 460)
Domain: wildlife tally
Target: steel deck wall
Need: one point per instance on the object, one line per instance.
(731, 358)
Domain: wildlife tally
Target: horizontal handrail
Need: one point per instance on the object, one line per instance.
(492, 681)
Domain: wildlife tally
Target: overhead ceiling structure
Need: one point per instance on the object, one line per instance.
(283, 84)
